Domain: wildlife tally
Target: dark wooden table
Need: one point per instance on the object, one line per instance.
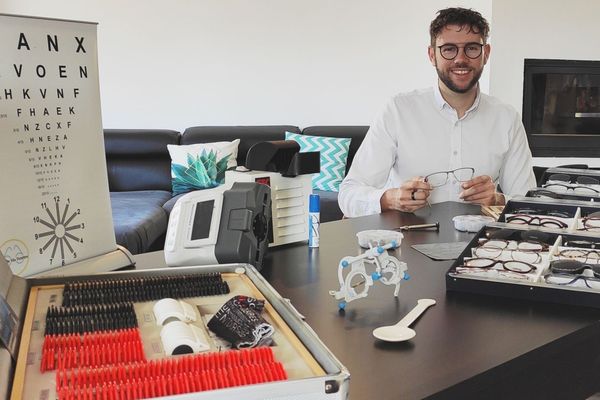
(467, 346)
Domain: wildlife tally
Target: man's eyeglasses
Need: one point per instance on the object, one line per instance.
(536, 221)
(520, 267)
(438, 179)
(450, 51)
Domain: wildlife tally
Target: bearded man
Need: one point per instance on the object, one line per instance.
(446, 143)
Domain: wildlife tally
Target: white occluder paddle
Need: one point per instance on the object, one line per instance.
(401, 331)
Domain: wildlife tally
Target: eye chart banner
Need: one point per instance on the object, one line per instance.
(54, 201)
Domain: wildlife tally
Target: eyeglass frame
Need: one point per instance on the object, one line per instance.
(540, 193)
(501, 272)
(591, 228)
(514, 234)
(574, 279)
(448, 174)
(584, 253)
(510, 252)
(544, 246)
(595, 268)
(590, 180)
(457, 47)
(503, 263)
(552, 221)
(549, 213)
(547, 185)
(582, 244)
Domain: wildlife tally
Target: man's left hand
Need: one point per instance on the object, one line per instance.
(481, 190)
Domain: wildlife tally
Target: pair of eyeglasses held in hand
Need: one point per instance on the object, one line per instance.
(440, 178)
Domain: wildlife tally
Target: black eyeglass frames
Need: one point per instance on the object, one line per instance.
(562, 188)
(449, 51)
(535, 211)
(536, 221)
(520, 267)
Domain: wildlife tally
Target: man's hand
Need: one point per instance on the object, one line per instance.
(481, 190)
(409, 197)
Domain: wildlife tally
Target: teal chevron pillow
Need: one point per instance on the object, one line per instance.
(334, 153)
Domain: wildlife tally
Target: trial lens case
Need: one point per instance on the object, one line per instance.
(313, 372)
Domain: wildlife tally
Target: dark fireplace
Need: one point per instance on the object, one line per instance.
(561, 107)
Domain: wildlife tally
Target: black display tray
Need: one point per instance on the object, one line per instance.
(574, 208)
(524, 290)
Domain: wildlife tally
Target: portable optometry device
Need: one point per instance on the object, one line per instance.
(227, 224)
(236, 222)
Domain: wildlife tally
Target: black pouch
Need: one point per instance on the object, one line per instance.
(239, 322)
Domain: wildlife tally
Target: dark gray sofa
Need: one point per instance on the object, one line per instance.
(139, 173)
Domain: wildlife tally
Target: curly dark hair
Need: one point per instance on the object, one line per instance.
(461, 17)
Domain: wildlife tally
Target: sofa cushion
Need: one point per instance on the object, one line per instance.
(139, 218)
(249, 135)
(201, 165)
(334, 153)
(168, 206)
(137, 159)
(356, 133)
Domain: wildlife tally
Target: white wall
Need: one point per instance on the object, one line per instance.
(179, 63)
(550, 29)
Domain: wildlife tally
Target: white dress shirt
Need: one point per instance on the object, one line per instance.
(419, 133)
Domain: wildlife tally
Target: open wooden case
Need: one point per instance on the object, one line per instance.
(305, 368)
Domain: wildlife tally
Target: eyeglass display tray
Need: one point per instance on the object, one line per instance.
(535, 289)
(313, 372)
(574, 208)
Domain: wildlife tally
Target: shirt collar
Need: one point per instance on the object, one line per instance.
(441, 103)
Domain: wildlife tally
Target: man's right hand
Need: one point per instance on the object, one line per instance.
(409, 197)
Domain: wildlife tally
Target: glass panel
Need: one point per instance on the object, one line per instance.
(566, 103)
